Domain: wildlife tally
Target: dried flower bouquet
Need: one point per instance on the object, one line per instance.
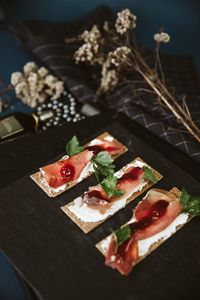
(114, 49)
(34, 85)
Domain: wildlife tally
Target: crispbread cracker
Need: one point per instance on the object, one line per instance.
(88, 226)
(175, 191)
(38, 177)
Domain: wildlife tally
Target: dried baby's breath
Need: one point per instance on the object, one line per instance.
(125, 21)
(109, 78)
(30, 67)
(119, 55)
(43, 72)
(108, 81)
(92, 36)
(89, 50)
(16, 78)
(35, 85)
(162, 37)
(106, 26)
(114, 50)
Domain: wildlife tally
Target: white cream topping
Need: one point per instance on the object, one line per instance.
(105, 243)
(87, 169)
(87, 214)
(144, 245)
(56, 190)
(99, 142)
(109, 138)
(136, 163)
(95, 142)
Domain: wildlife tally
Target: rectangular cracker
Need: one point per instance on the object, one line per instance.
(88, 226)
(100, 245)
(39, 179)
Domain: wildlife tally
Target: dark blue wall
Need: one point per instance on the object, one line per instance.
(181, 18)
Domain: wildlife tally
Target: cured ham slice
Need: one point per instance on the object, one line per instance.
(160, 221)
(112, 147)
(95, 206)
(155, 213)
(66, 170)
(132, 177)
(96, 197)
(56, 178)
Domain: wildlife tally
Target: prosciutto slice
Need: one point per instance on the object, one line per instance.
(152, 215)
(144, 208)
(112, 147)
(66, 170)
(69, 169)
(130, 179)
(96, 198)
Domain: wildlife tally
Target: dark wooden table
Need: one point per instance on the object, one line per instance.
(58, 260)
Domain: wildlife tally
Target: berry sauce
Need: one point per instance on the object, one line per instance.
(156, 211)
(98, 148)
(132, 174)
(95, 194)
(95, 149)
(67, 172)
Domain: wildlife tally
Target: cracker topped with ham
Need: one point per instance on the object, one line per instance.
(95, 206)
(157, 217)
(58, 177)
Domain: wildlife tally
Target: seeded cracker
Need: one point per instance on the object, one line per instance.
(38, 177)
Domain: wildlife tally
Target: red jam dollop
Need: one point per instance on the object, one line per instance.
(67, 172)
(95, 194)
(156, 211)
(95, 149)
(98, 148)
(124, 256)
(111, 149)
(132, 174)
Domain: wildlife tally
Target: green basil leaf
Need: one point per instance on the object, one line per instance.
(149, 174)
(103, 158)
(110, 181)
(184, 197)
(97, 173)
(118, 193)
(190, 204)
(121, 235)
(109, 185)
(105, 171)
(73, 147)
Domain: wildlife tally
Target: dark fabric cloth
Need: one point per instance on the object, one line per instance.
(46, 41)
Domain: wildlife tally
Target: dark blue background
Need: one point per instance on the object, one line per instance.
(180, 18)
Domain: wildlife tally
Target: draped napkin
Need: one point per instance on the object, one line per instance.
(45, 40)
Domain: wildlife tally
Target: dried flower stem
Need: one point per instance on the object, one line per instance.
(184, 112)
(158, 62)
(6, 89)
(114, 49)
(188, 125)
(161, 90)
